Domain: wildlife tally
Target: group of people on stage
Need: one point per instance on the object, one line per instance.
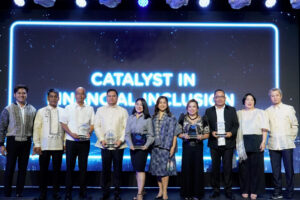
(56, 130)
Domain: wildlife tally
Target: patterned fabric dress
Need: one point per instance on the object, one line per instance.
(165, 130)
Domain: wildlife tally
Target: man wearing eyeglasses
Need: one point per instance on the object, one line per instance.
(223, 124)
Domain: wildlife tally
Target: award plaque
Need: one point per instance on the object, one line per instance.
(110, 139)
(192, 132)
(138, 140)
(83, 132)
(221, 133)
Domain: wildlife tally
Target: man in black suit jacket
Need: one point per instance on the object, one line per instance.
(218, 114)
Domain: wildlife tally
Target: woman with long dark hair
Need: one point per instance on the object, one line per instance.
(195, 129)
(139, 136)
(163, 163)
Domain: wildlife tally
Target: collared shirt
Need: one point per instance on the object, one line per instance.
(22, 108)
(48, 133)
(78, 118)
(253, 121)
(110, 119)
(139, 125)
(283, 127)
(220, 114)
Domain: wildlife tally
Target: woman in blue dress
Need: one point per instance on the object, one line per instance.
(163, 163)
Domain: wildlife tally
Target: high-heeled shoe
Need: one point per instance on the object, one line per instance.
(159, 197)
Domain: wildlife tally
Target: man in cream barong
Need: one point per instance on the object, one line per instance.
(281, 143)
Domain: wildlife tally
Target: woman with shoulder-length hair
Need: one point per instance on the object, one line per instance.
(195, 129)
(163, 163)
(139, 136)
(250, 145)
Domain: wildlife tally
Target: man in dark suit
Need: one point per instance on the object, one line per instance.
(223, 124)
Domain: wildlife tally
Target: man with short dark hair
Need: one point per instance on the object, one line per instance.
(48, 139)
(16, 124)
(110, 124)
(223, 123)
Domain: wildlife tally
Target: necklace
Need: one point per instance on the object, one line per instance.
(193, 118)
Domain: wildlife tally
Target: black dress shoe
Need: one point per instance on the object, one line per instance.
(43, 196)
(56, 196)
(18, 195)
(215, 194)
(68, 196)
(117, 197)
(229, 195)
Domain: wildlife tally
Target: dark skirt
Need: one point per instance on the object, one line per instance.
(192, 173)
(138, 159)
(251, 171)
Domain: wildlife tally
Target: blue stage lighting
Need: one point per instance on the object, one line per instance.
(270, 3)
(110, 3)
(81, 3)
(175, 4)
(204, 3)
(20, 3)
(143, 3)
(238, 4)
(45, 3)
(295, 4)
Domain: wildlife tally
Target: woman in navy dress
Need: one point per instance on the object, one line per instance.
(163, 163)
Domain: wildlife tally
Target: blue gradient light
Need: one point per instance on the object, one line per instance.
(143, 3)
(139, 24)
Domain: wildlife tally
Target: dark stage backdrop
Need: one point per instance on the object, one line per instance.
(187, 56)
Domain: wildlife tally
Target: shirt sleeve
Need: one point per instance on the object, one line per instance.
(264, 120)
(128, 133)
(124, 121)
(206, 129)
(293, 122)
(4, 121)
(63, 117)
(92, 116)
(150, 134)
(37, 129)
(97, 126)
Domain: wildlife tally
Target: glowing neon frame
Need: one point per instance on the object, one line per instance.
(138, 24)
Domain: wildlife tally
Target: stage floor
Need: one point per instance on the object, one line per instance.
(128, 193)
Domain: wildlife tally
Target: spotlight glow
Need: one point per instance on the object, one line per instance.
(81, 3)
(204, 3)
(270, 3)
(143, 3)
(20, 3)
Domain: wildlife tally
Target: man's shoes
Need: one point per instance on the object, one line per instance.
(276, 196)
(18, 195)
(117, 197)
(229, 195)
(43, 196)
(82, 195)
(105, 197)
(56, 196)
(68, 196)
(215, 194)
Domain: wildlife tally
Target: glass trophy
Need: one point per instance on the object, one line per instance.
(83, 132)
(192, 132)
(221, 133)
(138, 140)
(110, 139)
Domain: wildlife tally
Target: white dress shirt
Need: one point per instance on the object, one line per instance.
(110, 118)
(22, 108)
(283, 127)
(253, 121)
(221, 123)
(76, 116)
(47, 131)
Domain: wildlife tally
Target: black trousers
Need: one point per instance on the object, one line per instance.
(81, 150)
(251, 171)
(44, 161)
(16, 151)
(110, 157)
(287, 157)
(192, 172)
(226, 155)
